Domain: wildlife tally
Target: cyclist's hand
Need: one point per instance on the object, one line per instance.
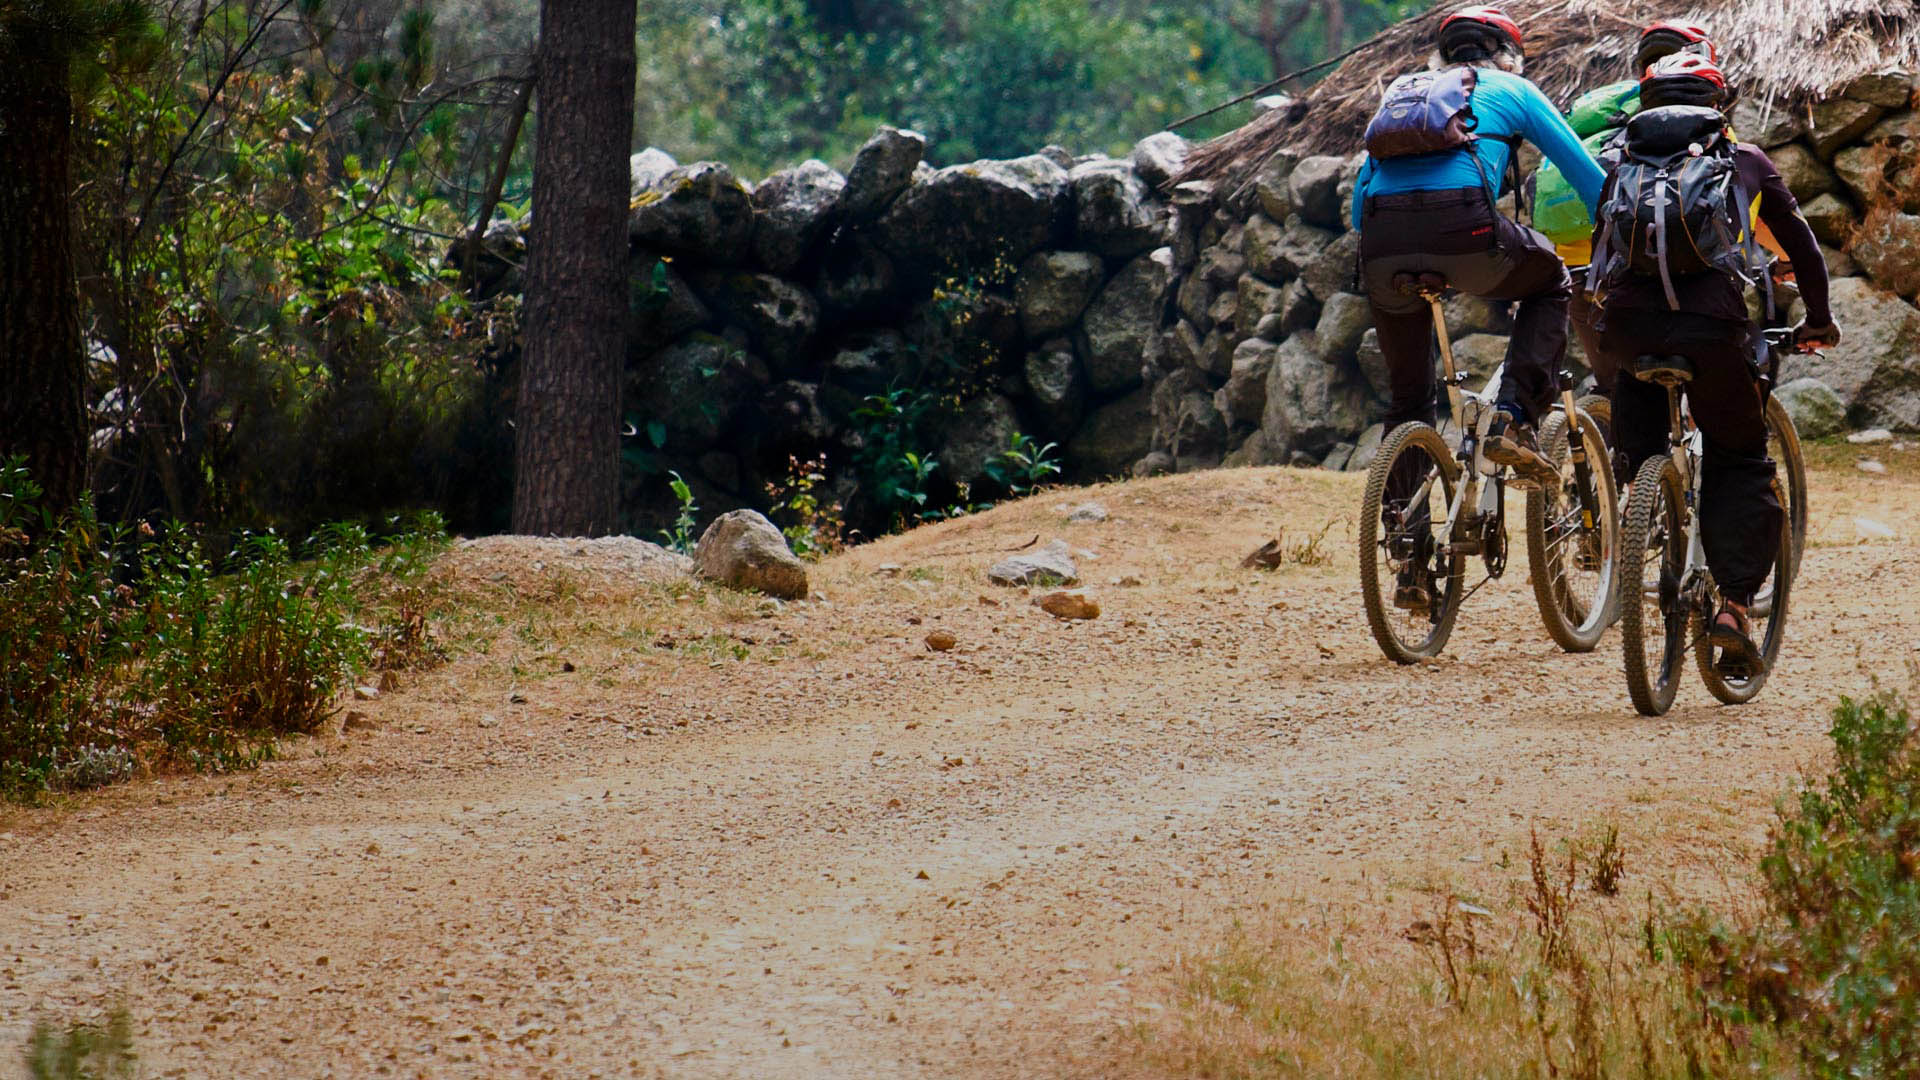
(1808, 339)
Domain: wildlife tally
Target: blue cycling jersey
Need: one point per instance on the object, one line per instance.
(1504, 104)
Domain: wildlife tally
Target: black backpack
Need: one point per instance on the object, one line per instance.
(1677, 205)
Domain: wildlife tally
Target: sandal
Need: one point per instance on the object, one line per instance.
(1731, 634)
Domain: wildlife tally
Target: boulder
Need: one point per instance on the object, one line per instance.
(1864, 170)
(1243, 399)
(1839, 263)
(1050, 565)
(1832, 219)
(1112, 209)
(1154, 463)
(855, 278)
(1256, 298)
(695, 387)
(961, 331)
(881, 170)
(1838, 121)
(1315, 186)
(1270, 184)
(1889, 89)
(1478, 355)
(498, 267)
(700, 212)
(1185, 422)
(1887, 247)
(1896, 128)
(1255, 450)
(1053, 288)
(1280, 252)
(795, 415)
(795, 207)
(1337, 458)
(1876, 367)
(1366, 448)
(1806, 176)
(1223, 313)
(1121, 318)
(1189, 344)
(1158, 157)
(646, 169)
(1114, 437)
(661, 306)
(1056, 384)
(1220, 265)
(1195, 298)
(779, 317)
(1473, 315)
(1372, 365)
(1768, 125)
(868, 361)
(1309, 405)
(1332, 270)
(976, 213)
(1343, 321)
(1816, 410)
(743, 550)
(975, 437)
(1298, 309)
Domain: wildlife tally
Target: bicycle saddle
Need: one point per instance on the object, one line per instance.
(1668, 371)
(1425, 283)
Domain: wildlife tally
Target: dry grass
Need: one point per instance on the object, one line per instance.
(1576, 44)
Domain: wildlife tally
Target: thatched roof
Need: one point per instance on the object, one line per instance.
(1783, 52)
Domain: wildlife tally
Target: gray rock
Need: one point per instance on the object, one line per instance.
(1299, 310)
(1887, 246)
(1055, 381)
(1473, 315)
(1195, 298)
(1372, 364)
(1255, 450)
(1158, 157)
(1876, 367)
(1189, 344)
(1332, 270)
(1255, 299)
(646, 169)
(499, 266)
(1114, 437)
(1478, 355)
(1243, 399)
(1053, 288)
(1121, 318)
(881, 171)
(1343, 321)
(868, 362)
(1088, 513)
(1838, 121)
(661, 306)
(970, 329)
(795, 207)
(1193, 194)
(1112, 209)
(1220, 265)
(779, 317)
(1896, 128)
(1890, 89)
(743, 550)
(1272, 326)
(1768, 126)
(1186, 423)
(1367, 448)
(1224, 312)
(1863, 169)
(976, 437)
(1309, 405)
(1271, 187)
(1839, 263)
(855, 278)
(1806, 176)
(795, 415)
(1280, 252)
(701, 212)
(1267, 103)
(1051, 565)
(695, 387)
(1816, 410)
(1337, 458)
(1832, 219)
(1155, 463)
(977, 212)
(1315, 185)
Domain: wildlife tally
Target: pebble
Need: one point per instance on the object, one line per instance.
(365, 693)
(1088, 513)
(941, 641)
(1868, 527)
(1871, 435)
(1869, 465)
(1069, 605)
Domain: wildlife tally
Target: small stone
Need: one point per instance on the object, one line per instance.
(1868, 528)
(365, 693)
(888, 569)
(389, 682)
(489, 721)
(1091, 512)
(356, 721)
(1052, 564)
(1869, 465)
(1069, 605)
(941, 641)
(1871, 435)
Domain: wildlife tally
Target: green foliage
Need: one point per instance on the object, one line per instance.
(83, 1051)
(891, 461)
(1836, 963)
(122, 645)
(680, 538)
(813, 527)
(1024, 465)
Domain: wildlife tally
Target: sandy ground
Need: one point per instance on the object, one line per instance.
(671, 832)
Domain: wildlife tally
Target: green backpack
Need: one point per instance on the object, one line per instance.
(1557, 209)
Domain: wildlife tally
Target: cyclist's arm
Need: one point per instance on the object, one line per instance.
(1544, 127)
(1781, 212)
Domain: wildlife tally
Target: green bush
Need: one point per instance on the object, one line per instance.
(83, 1051)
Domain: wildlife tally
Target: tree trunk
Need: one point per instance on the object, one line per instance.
(42, 364)
(567, 433)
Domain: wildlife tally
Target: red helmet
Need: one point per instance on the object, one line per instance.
(1685, 66)
(1668, 36)
(1483, 15)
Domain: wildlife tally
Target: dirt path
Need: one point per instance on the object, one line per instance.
(846, 856)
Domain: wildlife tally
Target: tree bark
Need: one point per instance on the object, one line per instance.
(567, 433)
(42, 363)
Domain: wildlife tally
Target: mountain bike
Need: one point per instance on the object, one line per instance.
(1668, 595)
(1429, 508)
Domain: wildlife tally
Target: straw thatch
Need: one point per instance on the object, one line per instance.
(1781, 52)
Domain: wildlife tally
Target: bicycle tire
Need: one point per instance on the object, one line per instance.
(1655, 512)
(1575, 622)
(1739, 691)
(1450, 570)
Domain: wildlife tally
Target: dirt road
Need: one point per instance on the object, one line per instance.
(805, 846)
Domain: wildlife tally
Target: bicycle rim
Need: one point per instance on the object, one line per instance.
(1653, 615)
(1783, 446)
(1572, 563)
(1769, 629)
(1409, 487)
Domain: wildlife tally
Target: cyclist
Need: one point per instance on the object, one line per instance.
(1434, 211)
(1703, 317)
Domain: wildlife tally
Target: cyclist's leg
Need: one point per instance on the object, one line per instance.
(1639, 408)
(1580, 315)
(1537, 278)
(1740, 511)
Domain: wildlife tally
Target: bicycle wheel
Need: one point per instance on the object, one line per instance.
(1573, 536)
(1653, 559)
(1600, 407)
(1769, 628)
(1783, 446)
(1410, 584)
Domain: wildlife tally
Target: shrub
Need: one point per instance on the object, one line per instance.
(83, 1051)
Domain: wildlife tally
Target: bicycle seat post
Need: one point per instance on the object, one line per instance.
(1432, 288)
